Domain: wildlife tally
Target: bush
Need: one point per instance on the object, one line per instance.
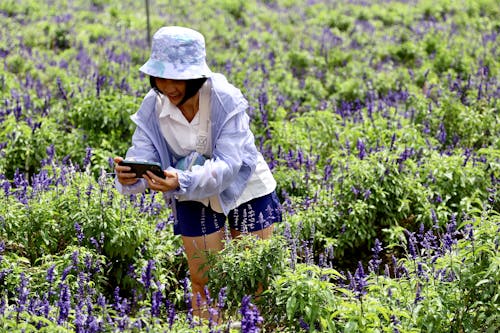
(245, 266)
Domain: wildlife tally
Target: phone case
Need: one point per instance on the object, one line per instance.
(140, 168)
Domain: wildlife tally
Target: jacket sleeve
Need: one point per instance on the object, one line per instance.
(233, 159)
(142, 149)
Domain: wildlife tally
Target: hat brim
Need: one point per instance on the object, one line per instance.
(164, 70)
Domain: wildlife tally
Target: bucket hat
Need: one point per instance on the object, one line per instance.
(177, 53)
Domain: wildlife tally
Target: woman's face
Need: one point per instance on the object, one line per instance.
(173, 89)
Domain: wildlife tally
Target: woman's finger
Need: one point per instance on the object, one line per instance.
(125, 174)
(151, 182)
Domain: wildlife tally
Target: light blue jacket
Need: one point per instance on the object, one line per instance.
(234, 154)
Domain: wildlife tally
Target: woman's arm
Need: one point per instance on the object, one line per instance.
(142, 149)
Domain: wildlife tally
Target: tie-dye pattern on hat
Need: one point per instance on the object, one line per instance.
(177, 53)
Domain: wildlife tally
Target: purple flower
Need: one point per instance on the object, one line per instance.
(156, 301)
(393, 140)
(62, 92)
(88, 192)
(93, 325)
(22, 293)
(50, 154)
(221, 300)
(79, 233)
(187, 301)
(88, 156)
(45, 306)
(406, 154)
(251, 318)
(75, 259)
(6, 188)
(429, 241)
(449, 238)
(95, 243)
(395, 266)
(101, 301)
(438, 199)
(66, 272)
(412, 248)
(170, 313)
(80, 319)
(120, 304)
(434, 216)
(442, 134)
(468, 232)
(394, 320)
(354, 190)
(367, 194)
(160, 225)
(147, 274)
(418, 296)
(467, 154)
(374, 263)
(63, 303)
(50, 274)
(303, 324)
(361, 149)
(387, 271)
(3, 305)
(420, 271)
(360, 282)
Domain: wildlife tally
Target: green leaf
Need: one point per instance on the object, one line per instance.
(482, 282)
(290, 307)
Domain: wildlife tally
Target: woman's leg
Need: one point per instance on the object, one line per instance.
(196, 248)
(256, 217)
(262, 233)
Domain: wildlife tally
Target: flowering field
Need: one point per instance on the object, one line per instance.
(380, 120)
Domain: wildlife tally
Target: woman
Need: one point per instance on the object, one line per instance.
(194, 123)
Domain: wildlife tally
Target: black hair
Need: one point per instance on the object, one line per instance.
(152, 83)
(192, 87)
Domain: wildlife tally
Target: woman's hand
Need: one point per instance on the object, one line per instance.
(123, 174)
(169, 183)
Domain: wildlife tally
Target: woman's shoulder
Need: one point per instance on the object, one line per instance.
(150, 97)
(226, 92)
(147, 107)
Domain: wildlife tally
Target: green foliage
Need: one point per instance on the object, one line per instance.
(382, 192)
(245, 266)
(472, 125)
(123, 229)
(303, 294)
(103, 122)
(78, 259)
(26, 143)
(461, 286)
(413, 83)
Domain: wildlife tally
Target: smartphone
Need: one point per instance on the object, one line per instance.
(140, 168)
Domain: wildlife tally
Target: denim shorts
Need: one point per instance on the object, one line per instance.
(194, 219)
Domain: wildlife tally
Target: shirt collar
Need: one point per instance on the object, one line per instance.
(168, 109)
(172, 111)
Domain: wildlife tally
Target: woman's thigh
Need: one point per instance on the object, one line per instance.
(196, 248)
(262, 233)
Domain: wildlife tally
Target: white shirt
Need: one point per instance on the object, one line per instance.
(181, 137)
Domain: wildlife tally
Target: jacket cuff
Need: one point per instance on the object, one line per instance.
(185, 180)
